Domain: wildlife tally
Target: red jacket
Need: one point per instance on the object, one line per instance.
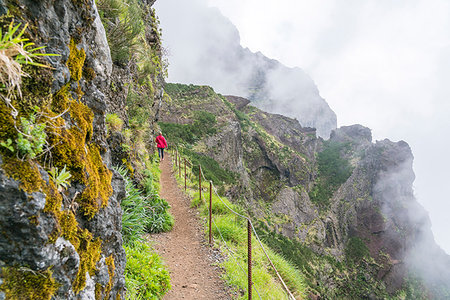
(161, 142)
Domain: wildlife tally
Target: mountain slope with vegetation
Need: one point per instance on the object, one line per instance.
(79, 175)
(342, 210)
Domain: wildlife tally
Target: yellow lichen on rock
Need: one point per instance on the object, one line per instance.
(89, 250)
(109, 261)
(24, 283)
(75, 61)
(26, 172)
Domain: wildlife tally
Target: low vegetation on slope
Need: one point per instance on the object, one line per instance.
(144, 212)
(230, 236)
(308, 168)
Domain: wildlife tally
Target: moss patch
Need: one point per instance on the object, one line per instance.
(75, 61)
(109, 261)
(24, 283)
(89, 250)
(26, 172)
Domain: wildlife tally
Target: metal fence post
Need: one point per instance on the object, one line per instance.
(179, 167)
(185, 175)
(200, 182)
(249, 229)
(210, 213)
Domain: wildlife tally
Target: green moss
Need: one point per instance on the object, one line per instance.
(109, 261)
(72, 148)
(98, 188)
(23, 283)
(26, 172)
(7, 130)
(75, 61)
(98, 291)
(89, 73)
(61, 99)
(89, 250)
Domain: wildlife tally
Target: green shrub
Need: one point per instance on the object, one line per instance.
(356, 249)
(114, 122)
(145, 275)
(211, 169)
(31, 138)
(333, 170)
(182, 134)
(142, 212)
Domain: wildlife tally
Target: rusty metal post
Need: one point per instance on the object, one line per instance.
(176, 157)
(249, 229)
(179, 167)
(185, 175)
(210, 213)
(200, 182)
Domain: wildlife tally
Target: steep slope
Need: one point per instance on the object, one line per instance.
(345, 208)
(216, 58)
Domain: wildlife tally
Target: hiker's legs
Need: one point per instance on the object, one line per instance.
(160, 153)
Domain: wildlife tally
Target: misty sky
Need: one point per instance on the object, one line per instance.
(380, 63)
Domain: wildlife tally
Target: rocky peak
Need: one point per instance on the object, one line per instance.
(216, 58)
(354, 133)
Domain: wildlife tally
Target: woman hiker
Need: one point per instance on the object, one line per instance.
(161, 144)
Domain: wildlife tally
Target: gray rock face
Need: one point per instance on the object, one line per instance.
(354, 133)
(24, 225)
(22, 242)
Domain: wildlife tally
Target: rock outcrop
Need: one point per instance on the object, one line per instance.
(56, 242)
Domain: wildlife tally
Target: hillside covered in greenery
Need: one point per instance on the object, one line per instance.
(83, 94)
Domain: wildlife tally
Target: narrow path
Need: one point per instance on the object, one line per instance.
(190, 260)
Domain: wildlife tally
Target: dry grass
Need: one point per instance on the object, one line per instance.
(15, 51)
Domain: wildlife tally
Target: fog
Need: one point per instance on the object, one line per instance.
(382, 64)
(205, 49)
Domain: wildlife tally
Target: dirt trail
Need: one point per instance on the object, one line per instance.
(189, 259)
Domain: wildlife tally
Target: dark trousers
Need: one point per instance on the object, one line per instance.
(161, 153)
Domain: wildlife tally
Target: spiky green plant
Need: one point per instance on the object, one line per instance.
(60, 178)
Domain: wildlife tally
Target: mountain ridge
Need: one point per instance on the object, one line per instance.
(347, 198)
(214, 56)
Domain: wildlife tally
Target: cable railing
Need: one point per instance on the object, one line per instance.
(177, 162)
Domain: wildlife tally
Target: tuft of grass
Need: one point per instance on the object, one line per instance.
(114, 122)
(142, 213)
(145, 275)
(123, 21)
(227, 228)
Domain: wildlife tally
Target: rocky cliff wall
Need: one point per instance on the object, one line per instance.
(61, 242)
(347, 198)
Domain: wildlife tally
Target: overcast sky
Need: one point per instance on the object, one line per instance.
(380, 63)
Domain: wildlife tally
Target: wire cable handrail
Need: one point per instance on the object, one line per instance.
(290, 295)
(231, 252)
